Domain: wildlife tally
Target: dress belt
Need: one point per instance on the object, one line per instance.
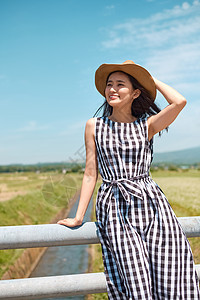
(126, 186)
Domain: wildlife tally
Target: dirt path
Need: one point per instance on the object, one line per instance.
(5, 194)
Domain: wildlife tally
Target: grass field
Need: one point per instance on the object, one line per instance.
(182, 189)
(39, 197)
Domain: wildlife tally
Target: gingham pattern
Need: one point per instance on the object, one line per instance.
(145, 252)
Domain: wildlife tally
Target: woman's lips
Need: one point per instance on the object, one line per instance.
(113, 97)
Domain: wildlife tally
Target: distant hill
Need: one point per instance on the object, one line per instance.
(185, 157)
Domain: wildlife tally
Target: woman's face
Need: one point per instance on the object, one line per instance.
(119, 89)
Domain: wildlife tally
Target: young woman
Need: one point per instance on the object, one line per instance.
(145, 252)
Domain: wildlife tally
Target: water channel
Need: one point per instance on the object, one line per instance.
(65, 260)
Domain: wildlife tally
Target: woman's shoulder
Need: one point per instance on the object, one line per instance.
(91, 121)
(90, 126)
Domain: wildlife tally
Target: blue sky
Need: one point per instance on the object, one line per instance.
(50, 50)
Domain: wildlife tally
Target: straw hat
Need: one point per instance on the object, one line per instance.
(129, 67)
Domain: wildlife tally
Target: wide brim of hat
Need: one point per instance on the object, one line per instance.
(136, 71)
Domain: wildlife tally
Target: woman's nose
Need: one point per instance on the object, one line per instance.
(112, 89)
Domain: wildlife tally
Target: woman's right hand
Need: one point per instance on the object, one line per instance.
(70, 222)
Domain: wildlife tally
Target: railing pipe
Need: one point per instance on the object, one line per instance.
(47, 235)
(191, 225)
(52, 286)
(55, 286)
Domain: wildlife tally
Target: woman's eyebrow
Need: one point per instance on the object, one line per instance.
(116, 80)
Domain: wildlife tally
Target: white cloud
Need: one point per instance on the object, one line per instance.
(175, 25)
(108, 10)
(110, 7)
(74, 128)
(171, 40)
(176, 64)
(185, 5)
(32, 126)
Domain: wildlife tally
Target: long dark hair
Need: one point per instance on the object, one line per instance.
(141, 105)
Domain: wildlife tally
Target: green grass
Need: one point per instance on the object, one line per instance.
(182, 192)
(179, 173)
(41, 203)
(182, 189)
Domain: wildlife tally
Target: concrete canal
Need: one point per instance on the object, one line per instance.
(65, 260)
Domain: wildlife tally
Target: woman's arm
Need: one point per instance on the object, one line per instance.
(89, 178)
(166, 116)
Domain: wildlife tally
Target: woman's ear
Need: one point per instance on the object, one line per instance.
(136, 93)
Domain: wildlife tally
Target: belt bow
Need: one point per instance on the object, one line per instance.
(126, 186)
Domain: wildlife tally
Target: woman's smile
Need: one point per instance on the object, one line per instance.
(119, 87)
(113, 97)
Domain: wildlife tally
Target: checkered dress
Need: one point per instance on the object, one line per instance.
(145, 252)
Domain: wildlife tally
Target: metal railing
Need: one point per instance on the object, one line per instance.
(47, 235)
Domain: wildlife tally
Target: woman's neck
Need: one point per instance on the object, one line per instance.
(124, 118)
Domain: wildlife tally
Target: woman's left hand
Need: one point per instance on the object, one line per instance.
(167, 115)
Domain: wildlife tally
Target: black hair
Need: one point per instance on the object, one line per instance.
(143, 104)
